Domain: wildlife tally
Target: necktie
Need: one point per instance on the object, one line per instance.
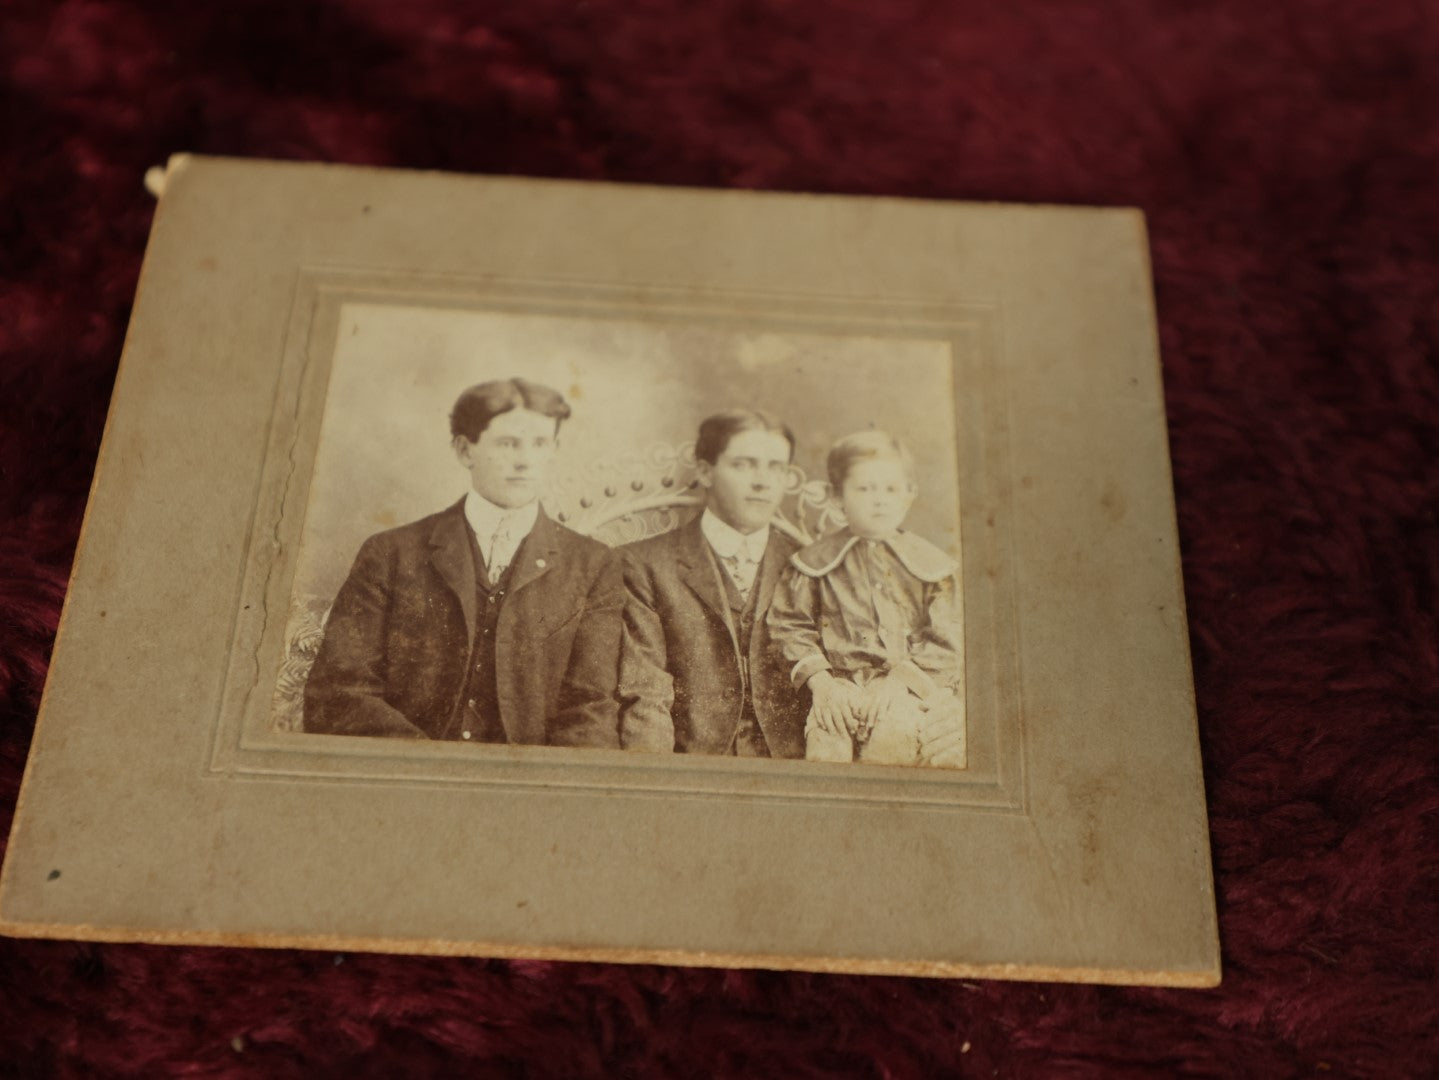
(741, 568)
(502, 549)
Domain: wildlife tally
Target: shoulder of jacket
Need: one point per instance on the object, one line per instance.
(787, 544)
(412, 532)
(580, 545)
(652, 549)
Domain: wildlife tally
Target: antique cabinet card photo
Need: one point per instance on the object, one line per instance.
(542, 569)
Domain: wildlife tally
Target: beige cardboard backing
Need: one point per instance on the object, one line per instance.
(158, 805)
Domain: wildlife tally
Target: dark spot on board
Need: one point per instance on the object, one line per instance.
(364, 209)
(209, 263)
(1086, 801)
(1026, 481)
(523, 903)
(1113, 503)
(989, 520)
(52, 875)
(102, 614)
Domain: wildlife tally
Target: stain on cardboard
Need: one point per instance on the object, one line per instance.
(1086, 801)
(1113, 503)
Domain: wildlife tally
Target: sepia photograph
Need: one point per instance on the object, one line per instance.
(538, 569)
(666, 538)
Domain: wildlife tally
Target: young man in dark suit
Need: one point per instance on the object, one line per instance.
(487, 622)
(698, 673)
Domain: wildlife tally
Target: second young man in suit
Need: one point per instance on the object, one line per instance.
(698, 673)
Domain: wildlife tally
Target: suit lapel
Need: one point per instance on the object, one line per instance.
(770, 568)
(700, 570)
(536, 554)
(450, 556)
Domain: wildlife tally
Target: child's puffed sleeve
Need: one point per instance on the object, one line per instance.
(793, 622)
(936, 646)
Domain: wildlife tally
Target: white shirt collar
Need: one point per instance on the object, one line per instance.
(729, 542)
(485, 518)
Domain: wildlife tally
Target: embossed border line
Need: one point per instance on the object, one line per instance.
(244, 747)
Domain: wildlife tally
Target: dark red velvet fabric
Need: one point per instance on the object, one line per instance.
(1286, 154)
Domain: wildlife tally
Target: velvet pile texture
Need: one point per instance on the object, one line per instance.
(1286, 155)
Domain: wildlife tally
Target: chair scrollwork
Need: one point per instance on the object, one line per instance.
(620, 500)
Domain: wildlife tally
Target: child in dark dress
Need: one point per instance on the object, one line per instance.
(868, 619)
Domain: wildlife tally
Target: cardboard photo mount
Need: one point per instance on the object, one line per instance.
(161, 805)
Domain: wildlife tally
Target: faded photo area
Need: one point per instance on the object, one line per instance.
(659, 537)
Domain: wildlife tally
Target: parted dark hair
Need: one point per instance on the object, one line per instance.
(861, 446)
(480, 404)
(716, 431)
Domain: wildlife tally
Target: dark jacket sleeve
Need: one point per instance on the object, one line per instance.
(647, 689)
(589, 714)
(935, 646)
(344, 692)
(794, 624)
